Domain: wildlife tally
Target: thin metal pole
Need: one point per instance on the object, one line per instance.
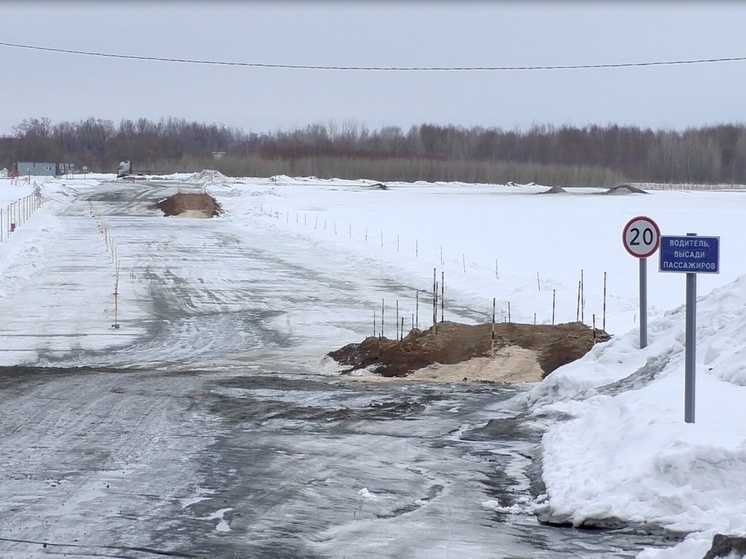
(643, 303)
(690, 345)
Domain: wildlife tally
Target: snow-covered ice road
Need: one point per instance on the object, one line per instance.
(204, 463)
(198, 429)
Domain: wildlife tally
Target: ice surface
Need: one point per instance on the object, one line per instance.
(615, 442)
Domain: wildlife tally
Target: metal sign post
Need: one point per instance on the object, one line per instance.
(690, 347)
(641, 237)
(643, 284)
(692, 255)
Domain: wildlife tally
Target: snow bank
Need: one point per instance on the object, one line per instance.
(627, 452)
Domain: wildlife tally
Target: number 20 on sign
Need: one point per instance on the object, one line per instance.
(641, 237)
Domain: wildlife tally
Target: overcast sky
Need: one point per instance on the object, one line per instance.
(70, 87)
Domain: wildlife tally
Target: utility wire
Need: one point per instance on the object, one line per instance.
(381, 68)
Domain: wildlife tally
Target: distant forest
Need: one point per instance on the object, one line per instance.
(545, 154)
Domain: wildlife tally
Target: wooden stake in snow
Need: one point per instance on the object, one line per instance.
(442, 295)
(538, 283)
(554, 303)
(116, 312)
(603, 319)
(493, 329)
(116, 295)
(582, 297)
(497, 272)
(116, 278)
(508, 311)
(577, 308)
(397, 319)
(435, 296)
(417, 309)
(382, 311)
(463, 260)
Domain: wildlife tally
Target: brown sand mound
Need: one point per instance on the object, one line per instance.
(189, 204)
(451, 343)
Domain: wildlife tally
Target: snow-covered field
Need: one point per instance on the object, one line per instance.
(616, 444)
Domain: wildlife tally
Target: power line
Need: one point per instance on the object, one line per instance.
(380, 68)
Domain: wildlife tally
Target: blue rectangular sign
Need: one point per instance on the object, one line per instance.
(690, 254)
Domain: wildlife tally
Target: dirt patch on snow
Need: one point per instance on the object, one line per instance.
(457, 352)
(625, 189)
(189, 204)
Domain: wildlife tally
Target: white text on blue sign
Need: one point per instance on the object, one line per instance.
(690, 254)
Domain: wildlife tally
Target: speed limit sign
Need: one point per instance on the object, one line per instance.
(641, 237)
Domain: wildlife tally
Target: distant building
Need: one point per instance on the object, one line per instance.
(44, 169)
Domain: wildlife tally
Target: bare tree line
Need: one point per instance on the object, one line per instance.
(546, 154)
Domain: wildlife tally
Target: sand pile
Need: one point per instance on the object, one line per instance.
(189, 204)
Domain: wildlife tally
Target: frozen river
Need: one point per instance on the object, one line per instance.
(209, 463)
(198, 429)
